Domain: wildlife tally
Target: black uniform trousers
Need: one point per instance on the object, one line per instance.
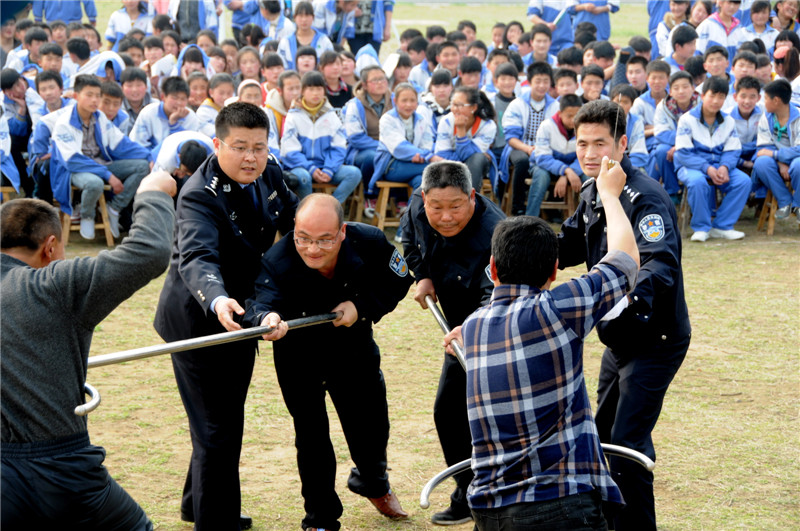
(213, 384)
(351, 375)
(452, 426)
(64, 485)
(630, 393)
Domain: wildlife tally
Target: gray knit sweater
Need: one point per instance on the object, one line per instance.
(48, 315)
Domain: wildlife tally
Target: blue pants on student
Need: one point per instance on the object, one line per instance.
(765, 172)
(659, 168)
(129, 171)
(401, 171)
(365, 161)
(347, 179)
(540, 181)
(702, 197)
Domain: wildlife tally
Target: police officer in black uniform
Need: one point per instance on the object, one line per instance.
(647, 342)
(228, 213)
(325, 266)
(447, 239)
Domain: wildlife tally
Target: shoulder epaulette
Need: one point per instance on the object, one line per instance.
(631, 193)
(212, 186)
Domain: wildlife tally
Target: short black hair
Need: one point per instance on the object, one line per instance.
(624, 90)
(272, 6)
(51, 48)
(241, 114)
(640, 44)
(456, 36)
(592, 70)
(286, 74)
(445, 44)
(604, 50)
(79, 47)
(780, 88)
(313, 78)
(571, 56)
(748, 82)
(194, 55)
(445, 174)
(469, 64)
(658, 66)
(478, 45)
(683, 35)
(506, 69)
(715, 85)
(498, 52)
(694, 65)
(763, 60)
(23, 24)
(48, 75)
(271, 59)
(637, 60)
(569, 100)
(192, 155)
(303, 50)
(540, 68)
(466, 24)
(174, 85)
(220, 79)
(154, 41)
(418, 44)
(681, 74)
(207, 33)
(8, 78)
(525, 38)
(564, 72)
(28, 223)
(441, 77)
(133, 74)
(71, 28)
(755, 46)
(174, 35)
(584, 39)
(410, 34)
(525, 251)
(86, 80)
(162, 23)
(127, 43)
(430, 53)
(587, 26)
(435, 31)
(716, 49)
(603, 112)
(759, 6)
(541, 28)
(304, 8)
(35, 34)
(111, 89)
(327, 57)
(749, 57)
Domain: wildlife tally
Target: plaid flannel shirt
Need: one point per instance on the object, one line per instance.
(533, 433)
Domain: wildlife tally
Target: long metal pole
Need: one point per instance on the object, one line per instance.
(437, 314)
(204, 341)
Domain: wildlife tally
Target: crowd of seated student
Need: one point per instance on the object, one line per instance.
(504, 108)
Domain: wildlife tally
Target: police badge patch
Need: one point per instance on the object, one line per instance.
(652, 227)
(398, 264)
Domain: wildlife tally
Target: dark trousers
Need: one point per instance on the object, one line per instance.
(578, 512)
(41, 176)
(213, 385)
(521, 163)
(452, 425)
(630, 395)
(362, 39)
(64, 486)
(19, 146)
(353, 379)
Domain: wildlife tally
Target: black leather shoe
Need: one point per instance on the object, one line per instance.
(451, 516)
(245, 522)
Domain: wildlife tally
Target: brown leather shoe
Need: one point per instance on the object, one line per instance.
(388, 505)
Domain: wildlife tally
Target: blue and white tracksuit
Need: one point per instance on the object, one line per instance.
(553, 155)
(176, 70)
(287, 48)
(786, 149)
(644, 107)
(768, 37)
(602, 21)
(244, 16)
(711, 32)
(167, 154)
(696, 149)
(664, 129)
(152, 125)
(64, 11)
(420, 75)
(308, 145)
(744, 13)
(477, 141)
(274, 32)
(656, 9)
(548, 10)
(206, 13)
(17, 123)
(97, 66)
(516, 124)
(119, 24)
(637, 148)
(395, 147)
(7, 165)
(68, 158)
(325, 19)
(748, 131)
(39, 143)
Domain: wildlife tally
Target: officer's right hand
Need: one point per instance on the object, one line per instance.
(159, 181)
(424, 288)
(225, 308)
(273, 320)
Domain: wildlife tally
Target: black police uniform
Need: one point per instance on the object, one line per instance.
(343, 361)
(219, 242)
(647, 342)
(458, 267)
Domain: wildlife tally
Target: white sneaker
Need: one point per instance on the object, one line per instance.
(369, 208)
(783, 212)
(113, 221)
(729, 234)
(87, 229)
(699, 236)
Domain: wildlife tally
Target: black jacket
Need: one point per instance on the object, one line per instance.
(458, 266)
(658, 315)
(219, 241)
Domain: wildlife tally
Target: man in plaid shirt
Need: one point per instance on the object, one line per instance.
(536, 453)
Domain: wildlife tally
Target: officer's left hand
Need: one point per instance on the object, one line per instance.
(349, 314)
(225, 309)
(455, 334)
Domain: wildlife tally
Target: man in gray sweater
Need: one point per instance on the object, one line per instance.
(51, 474)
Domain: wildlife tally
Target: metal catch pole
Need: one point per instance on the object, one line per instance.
(437, 314)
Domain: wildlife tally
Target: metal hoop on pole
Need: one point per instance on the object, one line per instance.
(94, 401)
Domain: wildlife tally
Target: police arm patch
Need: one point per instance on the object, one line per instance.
(652, 227)
(398, 264)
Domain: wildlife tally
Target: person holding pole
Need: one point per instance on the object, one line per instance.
(52, 476)
(229, 212)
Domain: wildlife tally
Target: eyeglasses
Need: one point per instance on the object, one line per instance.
(378, 81)
(322, 244)
(259, 152)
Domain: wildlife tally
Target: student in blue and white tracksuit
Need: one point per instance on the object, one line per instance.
(406, 141)
(601, 20)
(779, 147)
(656, 9)
(707, 149)
(314, 142)
(242, 16)
(167, 153)
(206, 15)
(336, 24)
(64, 11)
(644, 108)
(39, 152)
(7, 167)
(120, 23)
(546, 11)
(275, 28)
(713, 31)
(467, 134)
(108, 158)
(305, 35)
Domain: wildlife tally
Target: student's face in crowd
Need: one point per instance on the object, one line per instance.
(743, 69)
(220, 93)
(449, 58)
(470, 33)
(376, 84)
(136, 54)
(471, 79)
(636, 76)
(91, 38)
(219, 64)
(110, 106)
(588, 57)
(153, 54)
(760, 19)
(401, 74)
(205, 43)
(462, 47)
(59, 35)
(514, 33)
(34, 49)
(406, 103)
(198, 92)
(505, 85)
(174, 102)
(332, 70)
(764, 74)
(251, 94)
(448, 209)
(272, 74)
(442, 93)
(496, 61)
(319, 224)
(49, 91)
(713, 102)
(230, 53)
(716, 64)
(540, 44)
(568, 116)
(462, 108)
(290, 90)
(478, 54)
(657, 81)
(416, 57)
(18, 89)
(51, 62)
(524, 48)
(349, 66)
(699, 13)
(171, 47)
(88, 99)
(595, 141)
(772, 105)
(313, 96)
(592, 87)
(249, 66)
(566, 85)
(682, 91)
(687, 50)
(134, 91)
(730, 8)
(540, 84)
(747, 100)
(303, 21)
(244, 168)
(306, 63)
(603, 62)
(189, 67)
(7, 30)
(624, 102)
(678, 9)
(497, 36)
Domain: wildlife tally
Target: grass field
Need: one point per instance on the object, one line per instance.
(727, 439)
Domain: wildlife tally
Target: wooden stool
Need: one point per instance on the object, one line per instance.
(67, 226)
(768, 212)
(684, 212)
(566, 205)
(487, 191)
(508, 194)
(354, 204)
(382, 219)
(7, 192)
